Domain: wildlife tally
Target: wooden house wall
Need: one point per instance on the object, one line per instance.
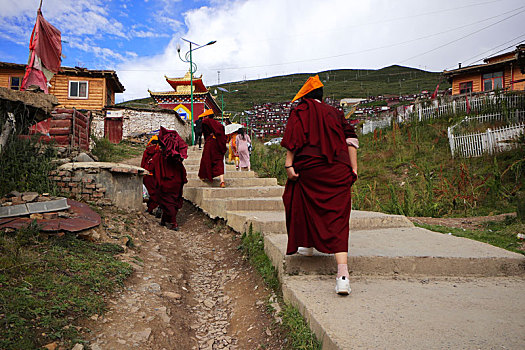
(518, 75)
(5, 74)
(96, 92)
(476, 82)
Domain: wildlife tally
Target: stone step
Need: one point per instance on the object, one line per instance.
(219, 207)
(412, 313)
(227, 175)
(196, 194)
(410, 251)
(195, 167)
(275, 222)
(236, 182)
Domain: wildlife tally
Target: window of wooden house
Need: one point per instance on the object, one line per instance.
(465, 88)
(15, 82)
(492, 81)
(78, 89)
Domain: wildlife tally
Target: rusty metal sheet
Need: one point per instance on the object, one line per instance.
(82, 218)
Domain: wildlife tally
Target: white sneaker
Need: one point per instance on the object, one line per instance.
(342, 286)
(305, 251)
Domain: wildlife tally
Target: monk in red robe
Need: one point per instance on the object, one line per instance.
(212, 160)
(152, 150)
(321, 164)
(170, 175)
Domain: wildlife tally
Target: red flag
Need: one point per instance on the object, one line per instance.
(468, 104)
(45, 50)
(434, 95)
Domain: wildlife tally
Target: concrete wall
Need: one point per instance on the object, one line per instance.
(142, 121)
(102, 183)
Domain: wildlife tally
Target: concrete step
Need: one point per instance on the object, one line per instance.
(216, 207)
(275, 222)
(196, 194)
(195, 167)
(414, 313)
(227, 175)
(409, 251)
(237, 182)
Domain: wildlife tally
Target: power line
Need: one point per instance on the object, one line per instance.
(465, 36)
(494, 53)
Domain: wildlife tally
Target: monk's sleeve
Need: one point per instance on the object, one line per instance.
(350, 134)
(294, 136)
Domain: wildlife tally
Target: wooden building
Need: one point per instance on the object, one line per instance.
(179, 99)
(504, 72)
(77, 87)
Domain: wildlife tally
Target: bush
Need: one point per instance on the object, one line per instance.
(25, 165)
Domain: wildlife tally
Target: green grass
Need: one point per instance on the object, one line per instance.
(47, 284)
(109, 152)
(500, 234)
(294, 325)
(341, 83)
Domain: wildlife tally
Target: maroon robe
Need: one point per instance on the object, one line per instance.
(318, 203)
(212, 160)
(149, 179)
(170, 174)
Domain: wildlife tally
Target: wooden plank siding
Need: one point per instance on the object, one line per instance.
(518, 75)
(476, 83)
(6, 74)
(96, 92)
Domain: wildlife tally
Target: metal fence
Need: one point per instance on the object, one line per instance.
(488, 142)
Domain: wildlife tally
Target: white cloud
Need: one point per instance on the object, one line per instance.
(259, 38)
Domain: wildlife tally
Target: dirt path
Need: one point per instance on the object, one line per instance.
(191, 289)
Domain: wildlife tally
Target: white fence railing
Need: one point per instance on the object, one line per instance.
(491, 141)
(477, 103)
(370, 125)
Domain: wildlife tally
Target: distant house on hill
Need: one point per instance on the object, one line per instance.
(505, 71)
(77, 87)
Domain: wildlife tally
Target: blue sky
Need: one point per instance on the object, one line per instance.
(262, 38)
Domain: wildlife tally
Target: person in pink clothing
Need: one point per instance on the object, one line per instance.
(243, 140)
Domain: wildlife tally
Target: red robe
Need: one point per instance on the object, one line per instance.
(170, 174)
(212, 160)
(148, 159)
(318, 203)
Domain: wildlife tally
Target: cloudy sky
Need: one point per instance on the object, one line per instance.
(263, 38)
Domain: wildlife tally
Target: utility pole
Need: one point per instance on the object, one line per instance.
(218, 77)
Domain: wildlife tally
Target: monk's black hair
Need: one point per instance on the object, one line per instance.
(317, 94)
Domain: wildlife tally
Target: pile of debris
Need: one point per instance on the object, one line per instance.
(52, 214)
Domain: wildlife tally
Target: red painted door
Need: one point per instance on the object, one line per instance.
(113, 129)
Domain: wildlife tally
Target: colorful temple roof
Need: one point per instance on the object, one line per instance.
(183, 84)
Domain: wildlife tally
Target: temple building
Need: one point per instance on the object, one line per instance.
(179, 99)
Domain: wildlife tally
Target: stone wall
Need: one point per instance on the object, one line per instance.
(102, 183)
(141, 121)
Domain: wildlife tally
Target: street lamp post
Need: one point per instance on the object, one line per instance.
(193, 68)
(223, 90)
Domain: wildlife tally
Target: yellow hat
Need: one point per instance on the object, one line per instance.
(311, 84)
(153, 138)
(206, 113)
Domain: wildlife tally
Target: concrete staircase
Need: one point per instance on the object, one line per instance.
(412, 288)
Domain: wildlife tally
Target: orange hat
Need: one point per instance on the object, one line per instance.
(311, 84)
(153, 138)
(206, 113)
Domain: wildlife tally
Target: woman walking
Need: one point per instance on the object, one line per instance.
(243, 140)
(321, 164)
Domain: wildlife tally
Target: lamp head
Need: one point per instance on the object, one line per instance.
(211, 42)
(178, 47)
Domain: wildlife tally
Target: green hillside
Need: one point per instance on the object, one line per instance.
(341, 83)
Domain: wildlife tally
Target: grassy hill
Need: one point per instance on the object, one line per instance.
(341, 83)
